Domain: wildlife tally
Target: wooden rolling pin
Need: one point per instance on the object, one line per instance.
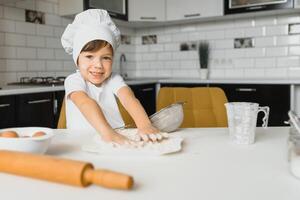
(61, 170)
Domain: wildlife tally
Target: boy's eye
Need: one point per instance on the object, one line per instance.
(107, 58)
(89, 56)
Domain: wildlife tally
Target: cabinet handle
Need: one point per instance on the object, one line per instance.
(39, 101)
(146, 89)
(192, 15)
(150, 18)
(245, 89)
(55, 106)
(255, 7)
(4, 105)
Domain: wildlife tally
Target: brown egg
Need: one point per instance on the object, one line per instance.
(9, 134)
(38, 134)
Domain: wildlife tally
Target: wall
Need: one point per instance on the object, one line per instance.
(275, 53)
(29, 49)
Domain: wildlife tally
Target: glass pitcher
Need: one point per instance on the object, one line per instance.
(242, 117)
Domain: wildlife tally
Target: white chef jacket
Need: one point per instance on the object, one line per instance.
(103, 95)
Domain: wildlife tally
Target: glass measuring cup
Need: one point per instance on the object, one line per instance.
(242, 117)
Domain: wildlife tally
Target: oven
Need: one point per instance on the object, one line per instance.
(242, 6)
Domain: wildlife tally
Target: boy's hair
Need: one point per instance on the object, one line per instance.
(96, 45)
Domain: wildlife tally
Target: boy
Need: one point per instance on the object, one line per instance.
(92, 39)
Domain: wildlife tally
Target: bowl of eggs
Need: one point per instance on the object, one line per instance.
(27, 139)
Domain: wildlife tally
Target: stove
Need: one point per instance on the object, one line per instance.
(40, 81)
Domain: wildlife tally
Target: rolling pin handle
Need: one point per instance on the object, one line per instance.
(108, 179)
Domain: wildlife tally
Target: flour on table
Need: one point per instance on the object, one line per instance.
(166, 146)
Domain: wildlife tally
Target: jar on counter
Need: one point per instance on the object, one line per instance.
(294, 152)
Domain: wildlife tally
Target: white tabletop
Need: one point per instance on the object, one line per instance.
(209, 167)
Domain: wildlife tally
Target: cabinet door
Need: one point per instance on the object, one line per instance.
(189, 9)
(277, 97)
(70, 7)
(35, 109)
(7, 111)
(145, 10)
(146, 95)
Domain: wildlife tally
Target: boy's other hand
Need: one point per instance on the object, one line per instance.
(150, 133)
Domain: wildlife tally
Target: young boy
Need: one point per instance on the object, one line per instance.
(92, 38)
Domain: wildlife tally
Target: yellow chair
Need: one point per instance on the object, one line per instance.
(62, 116)
(62, 123)
(204, 105)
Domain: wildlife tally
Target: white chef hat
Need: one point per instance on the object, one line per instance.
(92, 24)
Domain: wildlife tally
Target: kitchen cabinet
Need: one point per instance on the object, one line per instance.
(145, 10)
(70, 7)
(190, 9)
(7, 111)
(277, 97)
(146, 94)
(35, 109)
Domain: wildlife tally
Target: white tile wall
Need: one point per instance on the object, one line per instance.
(28, 49)
(276, 54)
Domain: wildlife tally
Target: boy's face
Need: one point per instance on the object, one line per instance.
(96, 66)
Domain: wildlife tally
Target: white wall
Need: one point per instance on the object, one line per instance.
(276, 54)
(28, 49)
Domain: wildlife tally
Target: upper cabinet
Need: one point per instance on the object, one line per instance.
(190, 9)
(145, 10)
(70, 7)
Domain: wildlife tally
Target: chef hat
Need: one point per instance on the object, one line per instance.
(92, 24)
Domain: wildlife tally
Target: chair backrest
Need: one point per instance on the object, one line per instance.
(62, 116)
(62, 122)
(125, 115)
(204, 105)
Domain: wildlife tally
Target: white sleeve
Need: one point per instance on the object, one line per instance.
(74, 83)
(116, 82)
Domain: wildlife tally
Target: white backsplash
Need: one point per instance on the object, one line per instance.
(275, 53)
(28, 49)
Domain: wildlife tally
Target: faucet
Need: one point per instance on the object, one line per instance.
(122, 62)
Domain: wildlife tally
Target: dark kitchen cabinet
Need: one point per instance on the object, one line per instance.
(146, 94)
(7, 111)
(35, 109)
(277, 97)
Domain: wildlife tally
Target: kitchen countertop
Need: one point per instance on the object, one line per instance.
(24, 89)
(208, 167)
(20, 89)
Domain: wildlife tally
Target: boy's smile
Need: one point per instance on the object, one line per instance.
(96, 66)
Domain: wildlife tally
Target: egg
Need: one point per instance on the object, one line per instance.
(9, 134)
(38, 134)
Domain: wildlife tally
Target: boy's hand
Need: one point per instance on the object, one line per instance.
(150, 133)
(118, 140)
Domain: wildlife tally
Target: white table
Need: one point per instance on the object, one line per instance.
(209, 167)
